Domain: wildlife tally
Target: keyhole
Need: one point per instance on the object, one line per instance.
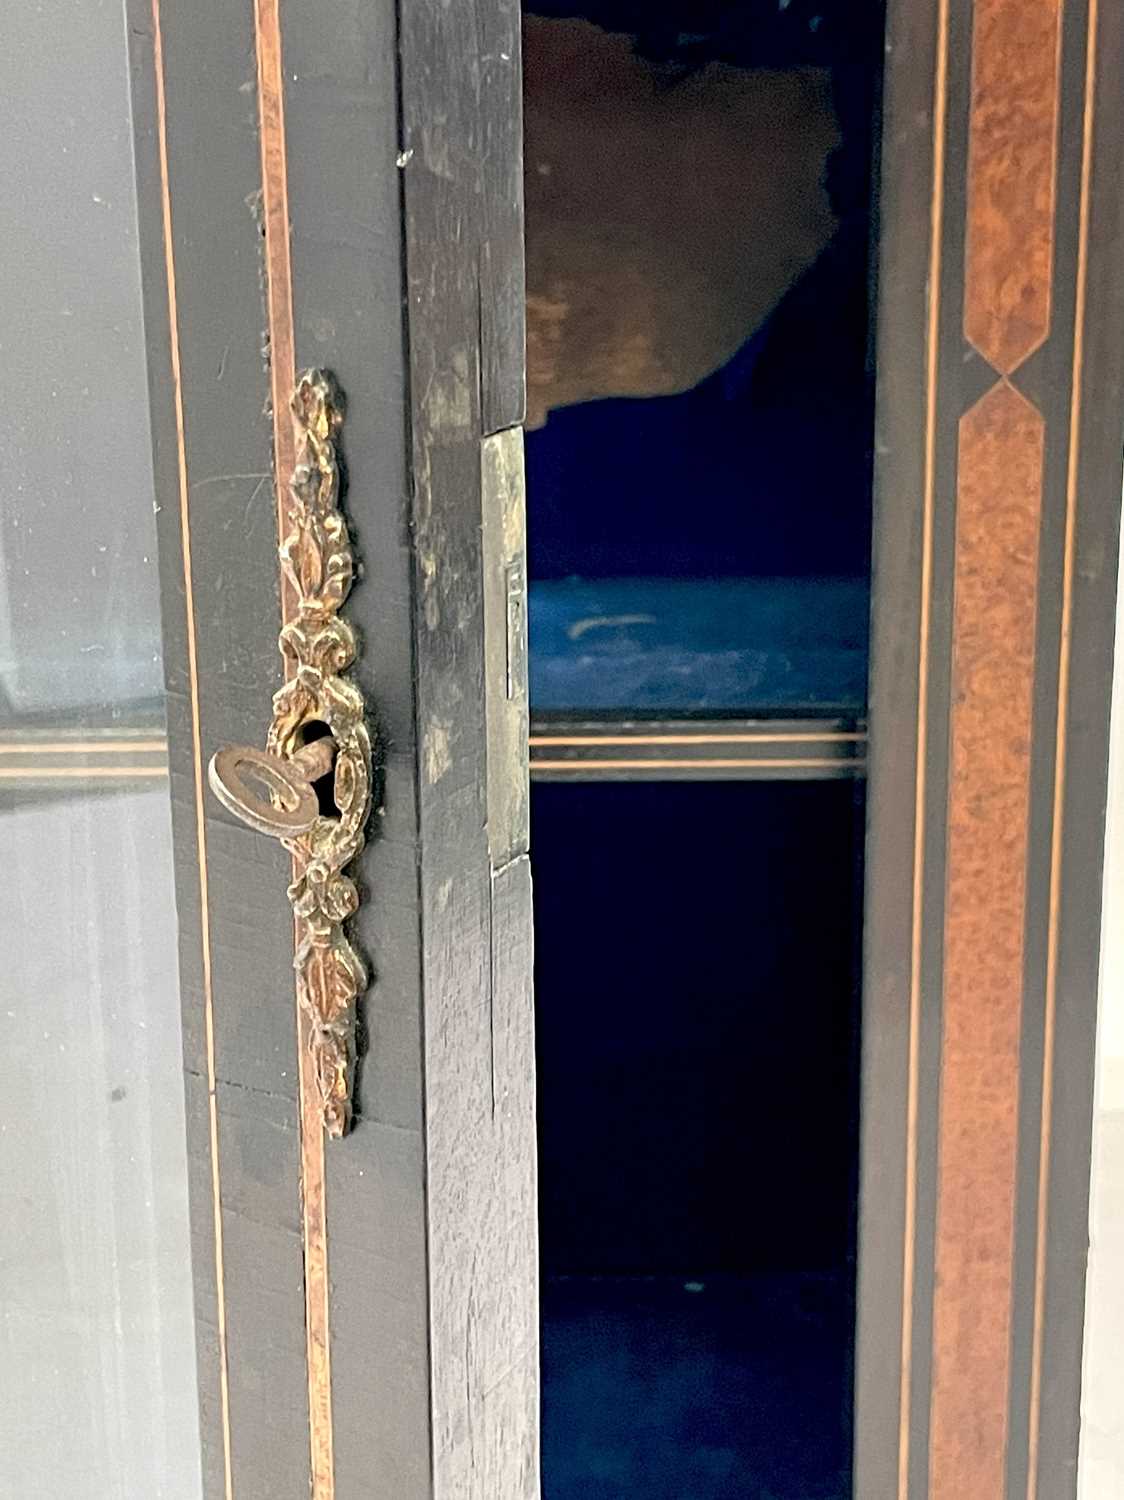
(323, 786)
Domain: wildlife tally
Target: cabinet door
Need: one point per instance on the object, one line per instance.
(1001, 357)
(329, 207)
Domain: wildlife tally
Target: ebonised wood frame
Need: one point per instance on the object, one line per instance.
(1000, 358)
(340, 184)
(341, 181)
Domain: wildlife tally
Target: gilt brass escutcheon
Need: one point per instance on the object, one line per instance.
(319, 730)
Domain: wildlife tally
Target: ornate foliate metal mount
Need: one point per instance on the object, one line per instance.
(319, 729)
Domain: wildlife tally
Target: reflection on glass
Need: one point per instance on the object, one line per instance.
(97, 1390)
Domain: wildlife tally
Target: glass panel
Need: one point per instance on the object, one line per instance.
(98, 1393)
(1102, 1430)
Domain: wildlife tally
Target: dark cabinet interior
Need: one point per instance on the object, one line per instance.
(697, 1022)
(699, 594)
(707, 951)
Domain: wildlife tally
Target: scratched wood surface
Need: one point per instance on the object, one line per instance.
(476, 965)
(198, 159)
(425, 1380)
(430, 1203)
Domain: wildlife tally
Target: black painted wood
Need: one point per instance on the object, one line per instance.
(1100, 432)
(482, 1236)
(345, 212)
(214, 175)
(430, 1201)
(1048, 1396)
(431, 1204)
(905, 188)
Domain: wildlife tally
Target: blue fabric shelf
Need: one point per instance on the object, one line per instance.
(750, 646)
(716, 1389)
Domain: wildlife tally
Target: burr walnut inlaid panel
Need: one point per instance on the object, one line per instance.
(1011, 511)
(1001, 367)
(1011, 175)
(998, 513)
